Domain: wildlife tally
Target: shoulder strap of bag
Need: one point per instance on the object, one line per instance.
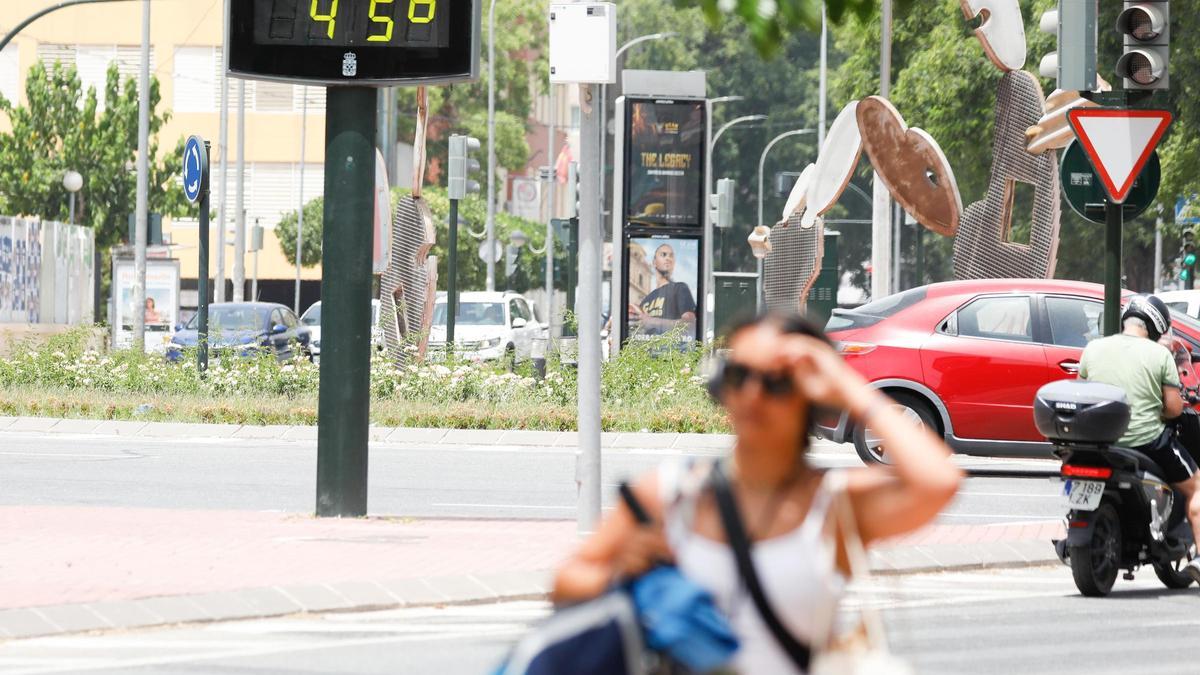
(740, 543)
(845, 521)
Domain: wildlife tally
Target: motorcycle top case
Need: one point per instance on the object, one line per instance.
(1077, 411)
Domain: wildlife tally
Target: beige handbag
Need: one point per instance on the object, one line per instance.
(864, 650)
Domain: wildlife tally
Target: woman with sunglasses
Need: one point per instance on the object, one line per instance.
(778, 370)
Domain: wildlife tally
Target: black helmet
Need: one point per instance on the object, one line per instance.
(1152, 311)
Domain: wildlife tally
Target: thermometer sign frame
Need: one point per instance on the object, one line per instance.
(354, 42)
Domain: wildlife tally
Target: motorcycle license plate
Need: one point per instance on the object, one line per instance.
(1084, 495)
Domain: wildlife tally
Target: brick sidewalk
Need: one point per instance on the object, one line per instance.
(68, 569)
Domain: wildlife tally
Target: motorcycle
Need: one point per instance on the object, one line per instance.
(1122, 514)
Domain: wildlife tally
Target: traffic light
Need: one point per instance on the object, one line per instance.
(1146, 27)
(1187, 262)
(462, 165)
(721, 204)
(1074, 64)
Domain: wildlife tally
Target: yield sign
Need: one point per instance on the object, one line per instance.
(1118, 142)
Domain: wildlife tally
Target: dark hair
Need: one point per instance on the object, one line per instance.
(787, 324)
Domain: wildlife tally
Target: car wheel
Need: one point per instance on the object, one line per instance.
(867, 443)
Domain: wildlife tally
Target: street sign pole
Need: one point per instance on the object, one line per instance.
(344, 399)
(196, 189)
(202, 280)
(1114, 222)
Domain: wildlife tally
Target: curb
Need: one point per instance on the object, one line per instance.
(274, 601)
(360, 596)
(389, 435)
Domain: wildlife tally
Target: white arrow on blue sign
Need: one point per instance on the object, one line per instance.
(195, 168)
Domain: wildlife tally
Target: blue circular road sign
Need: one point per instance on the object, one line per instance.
(195, 168)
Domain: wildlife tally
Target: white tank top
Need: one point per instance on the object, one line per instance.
(796, 570)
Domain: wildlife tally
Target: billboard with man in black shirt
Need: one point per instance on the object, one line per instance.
(663, 275)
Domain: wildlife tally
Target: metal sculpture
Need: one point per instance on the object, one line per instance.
(983, 248)
(409, 284)
(911, 164)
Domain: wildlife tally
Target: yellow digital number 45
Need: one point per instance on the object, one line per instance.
(331, 17)
(386, 20)
(431, 6)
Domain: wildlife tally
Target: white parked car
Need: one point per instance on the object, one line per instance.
(312, 319)
(488, 326)
(1187, 302)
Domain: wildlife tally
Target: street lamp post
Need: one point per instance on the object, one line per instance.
(73, 182)
(709, 277)
(604, 106)
(491, 158)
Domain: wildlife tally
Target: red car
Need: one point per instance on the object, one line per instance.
(967, 357)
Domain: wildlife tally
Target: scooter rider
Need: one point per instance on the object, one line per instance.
(1135, 361)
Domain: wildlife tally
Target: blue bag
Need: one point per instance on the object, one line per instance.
(658, 621)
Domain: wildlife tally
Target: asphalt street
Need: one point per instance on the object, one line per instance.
(997, 622)
(404, 480)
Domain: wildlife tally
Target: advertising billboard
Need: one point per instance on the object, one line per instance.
(663, 285)
(162, 303)
(664, 160)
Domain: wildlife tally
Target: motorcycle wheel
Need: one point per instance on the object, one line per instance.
(1172, 575)
(1095, 564)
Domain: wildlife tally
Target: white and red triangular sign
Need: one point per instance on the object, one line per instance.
(1119, 143)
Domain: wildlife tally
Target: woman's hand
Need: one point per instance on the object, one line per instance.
(821, 375)
(644, 548)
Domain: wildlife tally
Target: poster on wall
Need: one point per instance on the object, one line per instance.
(664, 280)
(162, 303)
(664, 160)
(20, 270)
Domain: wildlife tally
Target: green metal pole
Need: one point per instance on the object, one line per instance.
(573, 270)
(344, 400)
(1113, 223)
(452, 282)
(202, 277)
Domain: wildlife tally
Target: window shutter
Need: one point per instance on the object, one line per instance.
(194, 83)
(92, 62)
(273, 97)
(10, 74)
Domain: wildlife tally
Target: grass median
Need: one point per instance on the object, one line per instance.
(653, 387)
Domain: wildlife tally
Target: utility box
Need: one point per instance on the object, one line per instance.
(822, 298)
(735, 295)
(583, 43)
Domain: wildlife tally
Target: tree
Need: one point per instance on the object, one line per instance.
(472, 273)
(61, 129)
(771, 23)
(314, 229)
(462, 108)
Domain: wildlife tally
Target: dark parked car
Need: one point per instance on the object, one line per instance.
(245, 329)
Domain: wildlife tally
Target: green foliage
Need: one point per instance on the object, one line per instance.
(310, 244)
(649, 386)
(520, 72)
(472, 217)
(62, 128)
(771, 23)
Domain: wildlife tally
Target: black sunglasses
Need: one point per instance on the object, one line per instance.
(736, 375)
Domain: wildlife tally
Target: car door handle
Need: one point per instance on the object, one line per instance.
(1071, 367)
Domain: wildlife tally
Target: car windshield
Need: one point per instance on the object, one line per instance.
(471, 314)
(230, 319)
(874, 312)
(312, 317)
